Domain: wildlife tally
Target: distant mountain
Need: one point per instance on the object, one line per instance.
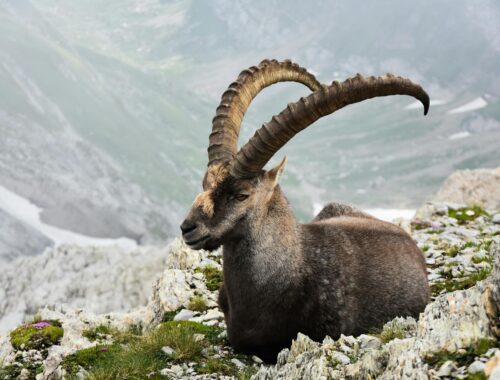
(106, 107)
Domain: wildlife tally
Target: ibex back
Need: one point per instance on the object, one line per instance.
(344, 272)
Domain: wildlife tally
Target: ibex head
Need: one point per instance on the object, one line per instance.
(236, 188)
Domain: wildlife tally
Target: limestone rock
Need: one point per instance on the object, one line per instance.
(472, 187)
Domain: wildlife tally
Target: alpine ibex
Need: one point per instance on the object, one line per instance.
(344, 272)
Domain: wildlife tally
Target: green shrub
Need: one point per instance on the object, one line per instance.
(198, 303)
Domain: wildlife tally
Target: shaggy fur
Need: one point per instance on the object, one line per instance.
(344, 272)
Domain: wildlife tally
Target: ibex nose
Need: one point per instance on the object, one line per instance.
(187, 226)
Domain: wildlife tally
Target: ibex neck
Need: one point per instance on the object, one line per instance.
(268, 250)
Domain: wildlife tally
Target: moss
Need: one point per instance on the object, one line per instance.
(425, 248)
(452, 284)
(198, 303)
(34, 336)
(476, 376)
(464, 358)
(213, 277)
(466, 214)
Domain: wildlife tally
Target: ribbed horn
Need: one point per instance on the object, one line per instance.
(237, 98)
(273, 135)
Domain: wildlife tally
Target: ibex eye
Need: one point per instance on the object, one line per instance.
(241, 197)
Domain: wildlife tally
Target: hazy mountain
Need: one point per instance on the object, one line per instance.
(106, 107)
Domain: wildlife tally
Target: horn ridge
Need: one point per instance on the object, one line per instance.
(324, 101)
(238, 96)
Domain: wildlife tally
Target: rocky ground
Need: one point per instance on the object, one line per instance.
(180, 334)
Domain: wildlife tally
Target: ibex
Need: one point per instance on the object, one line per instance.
(344, 272)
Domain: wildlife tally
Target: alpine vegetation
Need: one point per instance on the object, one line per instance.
(345, 272)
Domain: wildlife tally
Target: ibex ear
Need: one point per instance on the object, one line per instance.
(275, 173)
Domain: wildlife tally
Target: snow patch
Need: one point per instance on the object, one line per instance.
(416, 104)
(476, 104)
(387, 214)
(27, 212)
(459, 135)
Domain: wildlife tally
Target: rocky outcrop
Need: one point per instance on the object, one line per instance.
(97, 279)
(472, 187)
(181, 281)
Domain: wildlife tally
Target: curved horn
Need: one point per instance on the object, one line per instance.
(236, 100)
(267, 140)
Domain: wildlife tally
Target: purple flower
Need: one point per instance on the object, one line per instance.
(151, 374)
(25, 325)
(104, 349)
(435, 226)
(40, 325)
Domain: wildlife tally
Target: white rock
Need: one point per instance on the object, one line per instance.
(446, 369)
(212, 314)
(172, 291)
(177, 370)
(169, 351)
(340, 357)
(256, 359)
(238, 363)
(477, 366)
(496, 218)
(184, 315)
(472, 187)
(24, 375)
(369, 342)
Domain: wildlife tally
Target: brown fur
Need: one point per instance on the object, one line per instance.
(344, 272)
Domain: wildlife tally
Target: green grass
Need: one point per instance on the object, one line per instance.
(466, 214)
(464, 358)
(198, 303)
(103, 332)
(213, 277)
(452, 284)
(391, 330)
(98, 332)
(169, 315)
(454, 250)
(29, 336)
(142, 356)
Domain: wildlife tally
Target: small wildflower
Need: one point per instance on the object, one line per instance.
(104, 349)
(40, 325)
(435, 226)
(25, 325)
(151, 374)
